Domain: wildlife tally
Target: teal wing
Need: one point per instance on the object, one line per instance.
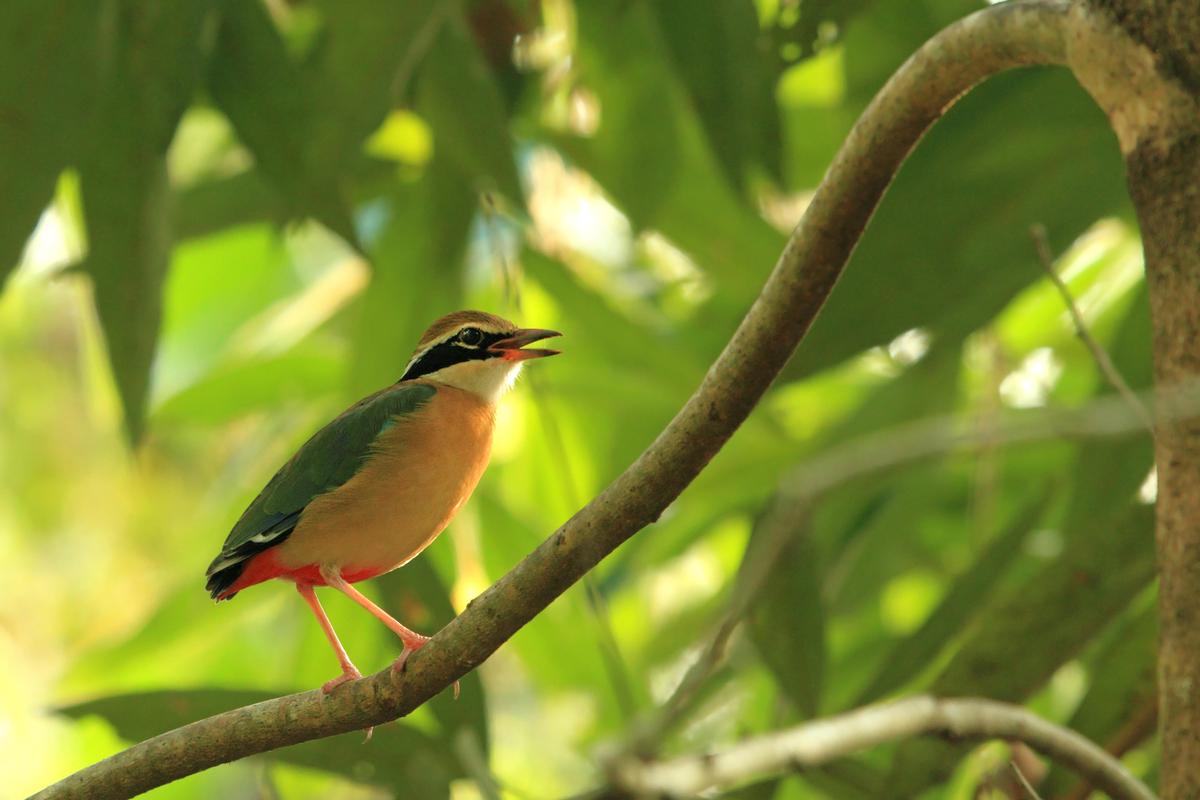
(330, 458)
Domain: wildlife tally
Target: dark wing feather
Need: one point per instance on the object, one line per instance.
(327, 460)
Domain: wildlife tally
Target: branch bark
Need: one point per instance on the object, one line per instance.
(1139, 60)
(998, 38)
(818, 742)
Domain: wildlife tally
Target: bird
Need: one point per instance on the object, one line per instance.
(374, 487)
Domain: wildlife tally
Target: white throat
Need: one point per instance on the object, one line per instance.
(488, 379)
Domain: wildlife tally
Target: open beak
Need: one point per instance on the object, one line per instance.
(510, 349)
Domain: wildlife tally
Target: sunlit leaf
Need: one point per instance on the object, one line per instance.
(366, 49)
(651, 154)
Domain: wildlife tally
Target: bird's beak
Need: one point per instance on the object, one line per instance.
(510, 349)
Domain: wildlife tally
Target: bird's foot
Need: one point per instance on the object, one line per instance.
(350, 674)
(410, 647)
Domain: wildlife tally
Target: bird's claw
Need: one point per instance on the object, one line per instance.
(401, 662)
(410, 646)
(351, 674)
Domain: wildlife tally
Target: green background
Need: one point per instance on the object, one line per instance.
(222, 222)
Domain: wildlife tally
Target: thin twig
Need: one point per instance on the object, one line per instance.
(991, 40)
(1108, 369)
(822, 741)
(418, 48)
(1023, 781)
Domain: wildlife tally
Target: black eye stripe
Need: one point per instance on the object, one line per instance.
(453, 351)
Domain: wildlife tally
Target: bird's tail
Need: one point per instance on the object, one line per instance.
(221, 577)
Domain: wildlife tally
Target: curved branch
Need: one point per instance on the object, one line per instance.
(819, 742)
(992, 40)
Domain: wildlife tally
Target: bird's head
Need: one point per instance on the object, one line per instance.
(475, 351)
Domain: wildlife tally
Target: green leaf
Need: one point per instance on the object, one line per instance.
(251, 196)
(365, 48)
(1108, 558)
(972, 176)
(1019, 641)
(728, 66)
(787, 620)
(759, 790)
(51, 63)
(1122, 670)
(306, 123)
(125, 195)
(967, 597)
(257, 85)
(639, 348)
(652, 155)
(417, 259)
(817, 16)
(399, 756)
(234, 389)
(458, 95)
(225, 202)
(851, 778)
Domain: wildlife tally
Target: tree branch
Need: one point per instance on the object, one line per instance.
(992, 40)
(1139, 60)
(818, 742)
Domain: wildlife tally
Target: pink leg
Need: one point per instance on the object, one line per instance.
(411, 639)
(349, 671)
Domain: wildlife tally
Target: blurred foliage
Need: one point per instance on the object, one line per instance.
(223, 221)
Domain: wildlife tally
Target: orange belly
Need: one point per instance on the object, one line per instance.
(422, 472)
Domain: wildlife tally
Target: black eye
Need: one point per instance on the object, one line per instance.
(470, 336)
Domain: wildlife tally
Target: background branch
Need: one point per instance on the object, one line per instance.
(992, 40)
(938, 436)
(842, 464)
(818, 742)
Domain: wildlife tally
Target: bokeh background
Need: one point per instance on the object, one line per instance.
(222, 222)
